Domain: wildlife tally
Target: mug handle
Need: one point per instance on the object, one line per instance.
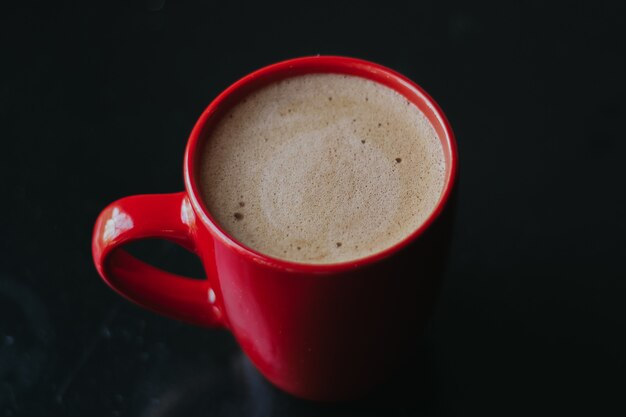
(167, 216)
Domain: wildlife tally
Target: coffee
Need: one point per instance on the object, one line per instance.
(322, 168)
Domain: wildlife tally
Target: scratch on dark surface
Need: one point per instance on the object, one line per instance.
(87, 352)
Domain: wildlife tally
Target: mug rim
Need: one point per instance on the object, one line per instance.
(310, 65)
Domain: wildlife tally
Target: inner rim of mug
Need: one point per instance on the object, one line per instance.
(311, 65)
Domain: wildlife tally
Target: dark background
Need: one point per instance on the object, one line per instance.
(97, 101)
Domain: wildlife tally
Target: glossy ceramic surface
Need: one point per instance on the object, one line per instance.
(323, 332)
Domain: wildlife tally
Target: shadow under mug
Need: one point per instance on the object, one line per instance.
(323, 332)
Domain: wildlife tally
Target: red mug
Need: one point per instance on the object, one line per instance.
(323, 332)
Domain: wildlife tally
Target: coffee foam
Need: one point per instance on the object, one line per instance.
(322, 168)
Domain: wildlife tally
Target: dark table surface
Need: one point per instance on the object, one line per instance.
(97, 102)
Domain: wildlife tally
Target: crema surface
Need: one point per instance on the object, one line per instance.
(322, 168)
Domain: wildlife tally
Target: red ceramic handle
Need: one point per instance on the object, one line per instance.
(167, 216)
